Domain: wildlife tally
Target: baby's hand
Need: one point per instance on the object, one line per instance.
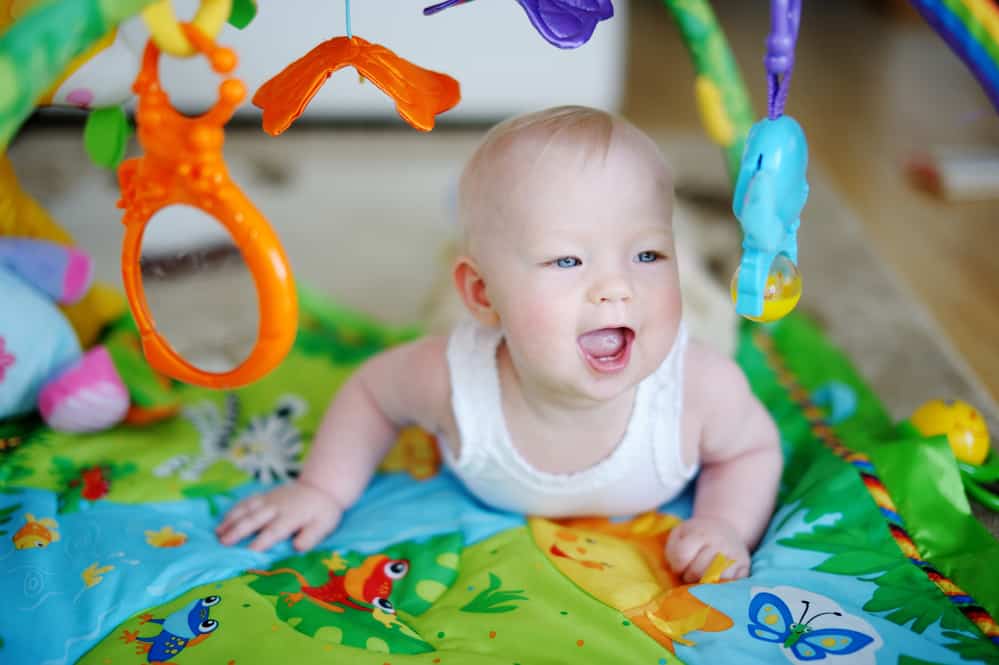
(293, 508)
(693, 544)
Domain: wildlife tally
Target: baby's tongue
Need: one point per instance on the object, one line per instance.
(602, 343)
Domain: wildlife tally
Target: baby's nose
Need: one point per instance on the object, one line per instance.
(610, 290)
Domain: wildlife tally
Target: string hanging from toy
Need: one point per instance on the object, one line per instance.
(346, 10)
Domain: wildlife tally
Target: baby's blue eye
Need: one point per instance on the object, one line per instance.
(647, 257)
(568, 262)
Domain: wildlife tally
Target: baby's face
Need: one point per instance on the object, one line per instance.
(582, 272)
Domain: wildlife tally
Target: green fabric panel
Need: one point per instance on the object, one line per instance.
(925, 484)
(920, 474)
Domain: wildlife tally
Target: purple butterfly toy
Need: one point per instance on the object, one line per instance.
(564, 23)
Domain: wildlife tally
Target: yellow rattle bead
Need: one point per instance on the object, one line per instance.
(166, 32)
(782, 292)
(964, 426)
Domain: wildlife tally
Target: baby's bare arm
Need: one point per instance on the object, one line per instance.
(738, 447)
(402, 386)
(405, 385)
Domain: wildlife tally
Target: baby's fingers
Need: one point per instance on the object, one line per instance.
(276, 531)
(239, 511)
(243, 526)
(699, 564)
(682, 547)
(312, 533)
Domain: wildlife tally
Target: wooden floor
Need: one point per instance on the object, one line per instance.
(871, 87)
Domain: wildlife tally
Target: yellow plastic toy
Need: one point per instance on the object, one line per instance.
(962, 423)
(782, 292)
(167, 32)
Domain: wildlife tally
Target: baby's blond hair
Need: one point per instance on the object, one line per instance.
(492, 175)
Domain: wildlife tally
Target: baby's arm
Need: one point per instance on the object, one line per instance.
(405, 385)
(741, 461)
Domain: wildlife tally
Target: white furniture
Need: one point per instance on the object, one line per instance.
(503, 64)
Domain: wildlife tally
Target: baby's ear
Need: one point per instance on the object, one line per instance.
(471, 287)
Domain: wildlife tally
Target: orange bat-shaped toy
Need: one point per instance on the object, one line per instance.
(419, 94)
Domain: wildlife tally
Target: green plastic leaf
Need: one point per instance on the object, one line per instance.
(242, 13)
(106, 135)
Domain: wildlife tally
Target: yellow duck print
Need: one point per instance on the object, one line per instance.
(36, 533)
(94, 574)
(166, 537)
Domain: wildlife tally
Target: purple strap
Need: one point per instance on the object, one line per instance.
(784, 18)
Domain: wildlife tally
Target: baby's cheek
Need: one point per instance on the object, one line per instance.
(536, 314)
(542, 333)
(670, 302)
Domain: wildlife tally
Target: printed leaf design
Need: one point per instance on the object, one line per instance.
(6, 516)
(816, 485)
(10, 475)
(904, 595)
(210, 492)
(88, 481)
(971, 647)
(909, 660)
(491, 600)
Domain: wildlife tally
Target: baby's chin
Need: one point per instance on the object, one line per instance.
(603, 385)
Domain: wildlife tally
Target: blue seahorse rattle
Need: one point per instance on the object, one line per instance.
(771, 189)
(769, 194)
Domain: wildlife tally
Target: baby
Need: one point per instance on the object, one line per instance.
(572, 388)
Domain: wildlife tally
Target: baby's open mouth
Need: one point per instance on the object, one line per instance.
(607, 349)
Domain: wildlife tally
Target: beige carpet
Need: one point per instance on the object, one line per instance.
(364, 218)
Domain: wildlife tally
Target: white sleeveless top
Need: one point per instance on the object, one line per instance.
(645, 470)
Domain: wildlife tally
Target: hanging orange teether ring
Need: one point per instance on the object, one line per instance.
(419, 94)
(168, 33)
(183, 165)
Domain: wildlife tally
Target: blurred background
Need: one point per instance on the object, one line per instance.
(905, 280)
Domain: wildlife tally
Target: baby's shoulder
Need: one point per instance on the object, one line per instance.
(426, 365)
(418, 375)
(710, 379)
(430, 378)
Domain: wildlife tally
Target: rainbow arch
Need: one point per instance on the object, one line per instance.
(971, 29)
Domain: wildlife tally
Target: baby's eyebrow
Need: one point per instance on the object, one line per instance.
(551, 250)
(658, 234)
